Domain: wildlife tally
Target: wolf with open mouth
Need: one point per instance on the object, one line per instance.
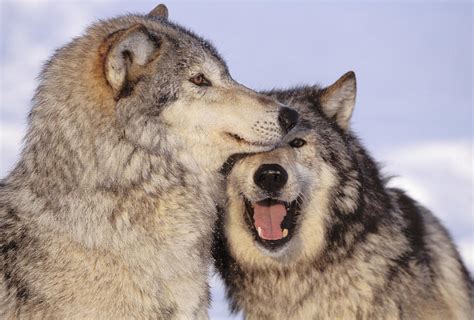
(311, 231)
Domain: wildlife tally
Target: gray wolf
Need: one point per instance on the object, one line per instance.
(108, 213)
(311, 231)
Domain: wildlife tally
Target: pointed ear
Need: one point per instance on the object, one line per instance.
(337, 100)
(160, 11)
(128, 52)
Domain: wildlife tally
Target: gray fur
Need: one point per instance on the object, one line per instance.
(108, 213)
(360, 250)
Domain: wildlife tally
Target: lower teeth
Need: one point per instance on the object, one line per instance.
(259, 230)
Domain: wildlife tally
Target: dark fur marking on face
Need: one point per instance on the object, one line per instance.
(230, 162)
(164, 100)
(161, 102)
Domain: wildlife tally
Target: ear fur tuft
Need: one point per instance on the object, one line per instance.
(337, 100)
(160, 11)
(129, 51)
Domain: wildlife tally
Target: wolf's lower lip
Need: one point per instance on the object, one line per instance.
(240, 139)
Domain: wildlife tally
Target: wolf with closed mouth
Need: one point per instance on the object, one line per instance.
(109, 212)
(311, 231)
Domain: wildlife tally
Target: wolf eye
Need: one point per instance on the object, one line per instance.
(297, 143)
(200, 80)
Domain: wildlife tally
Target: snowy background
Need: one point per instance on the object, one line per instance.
(413, 62)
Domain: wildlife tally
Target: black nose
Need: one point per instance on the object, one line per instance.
(270, 177)
(287, 118)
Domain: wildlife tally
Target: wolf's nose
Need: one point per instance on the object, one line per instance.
(270, 177)
(287, 118)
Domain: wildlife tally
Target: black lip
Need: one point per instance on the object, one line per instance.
(241, 140)
(289, 222)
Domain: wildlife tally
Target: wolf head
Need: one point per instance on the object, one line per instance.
(185, 87)
(138, 87)
(279, 201)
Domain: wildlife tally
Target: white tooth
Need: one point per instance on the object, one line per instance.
(259, 230)
(285, 233)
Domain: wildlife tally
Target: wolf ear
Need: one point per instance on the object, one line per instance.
(337, 100)
(160, 11)
(128, 51)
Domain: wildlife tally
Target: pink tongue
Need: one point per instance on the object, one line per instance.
(269, 219)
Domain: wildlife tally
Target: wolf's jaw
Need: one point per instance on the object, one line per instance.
(261, 145)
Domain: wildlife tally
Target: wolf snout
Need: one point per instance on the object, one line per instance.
(287, 119)
(270, 177)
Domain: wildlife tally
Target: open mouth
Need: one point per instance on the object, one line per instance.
(272, 221)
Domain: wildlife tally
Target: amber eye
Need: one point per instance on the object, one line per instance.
(297, 143)
(200, 80)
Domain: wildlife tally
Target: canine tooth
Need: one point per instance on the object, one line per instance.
(285, 233)
(259, 230)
